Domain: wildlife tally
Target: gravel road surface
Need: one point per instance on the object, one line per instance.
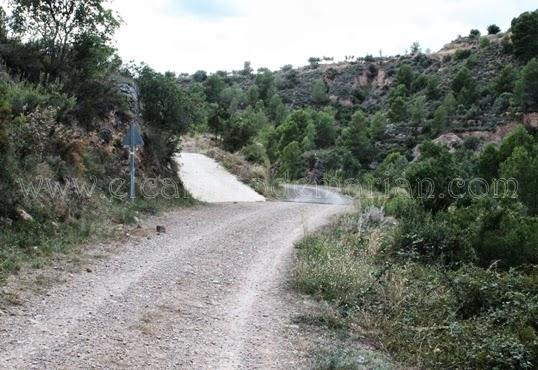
(211, 293)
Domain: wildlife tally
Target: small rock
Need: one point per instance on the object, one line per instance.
(88, 269)
(23, 215)
(161, 229)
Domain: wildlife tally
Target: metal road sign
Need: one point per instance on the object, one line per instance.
(132, 140)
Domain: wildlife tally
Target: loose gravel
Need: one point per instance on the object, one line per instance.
(211, 293)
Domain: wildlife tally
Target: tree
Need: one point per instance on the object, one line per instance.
(56, 24)
(309, 136)
(391, 170)
(90, 61)
(376, 130)
(242, 127)
(266, 84)
(525, 36)
(292, 164)
(213, 87)
(326, 132)
(488, 163)
(440, 119)
(464, 87)
(522, 165)
(253, 95)
(276, 109)
(527, 87)
(492, 159)
(415, 48)
(431, 176)
(355, 138)
(233, 99)
(199, 76)
(405, 76)
(474, 34)
(293, 128)
(398, 110)
(493, 29)
(418, 112)
(247, 69)
(166, 105)
(314, 62)
(432, 88)
(505, 81)
(519, 137)
(3, 25)
(319, 92)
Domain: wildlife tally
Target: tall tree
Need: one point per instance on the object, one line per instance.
(525, 35)
(57, 24)
(527, 87)
(319, 92)
(355, 138)
(522, 165)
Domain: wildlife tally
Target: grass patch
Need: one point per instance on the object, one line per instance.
(425, 315)
(336, 358)
(35, 242)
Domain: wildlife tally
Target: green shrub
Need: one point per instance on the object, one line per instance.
(484, 42)
(493, 29)
(474, 34)
(430, 177)
(390, 172)
(471, 143)
(461, 54)
(505, 236)
(425, 315)
(256, 153)
(401, 205)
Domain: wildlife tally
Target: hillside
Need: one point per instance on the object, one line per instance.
(430, 106)
(436, 265)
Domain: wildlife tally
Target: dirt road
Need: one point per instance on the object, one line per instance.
(208, 181)
(211, 293)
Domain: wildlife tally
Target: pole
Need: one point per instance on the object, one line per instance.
(132, 150)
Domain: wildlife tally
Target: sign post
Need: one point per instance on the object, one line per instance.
(132, 140)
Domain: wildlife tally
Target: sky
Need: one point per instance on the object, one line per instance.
(185, 36)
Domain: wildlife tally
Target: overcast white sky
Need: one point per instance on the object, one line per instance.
(189, 35)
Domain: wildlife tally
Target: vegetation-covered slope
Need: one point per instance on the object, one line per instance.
(472, 87)
(449, 137)
(66, 101)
